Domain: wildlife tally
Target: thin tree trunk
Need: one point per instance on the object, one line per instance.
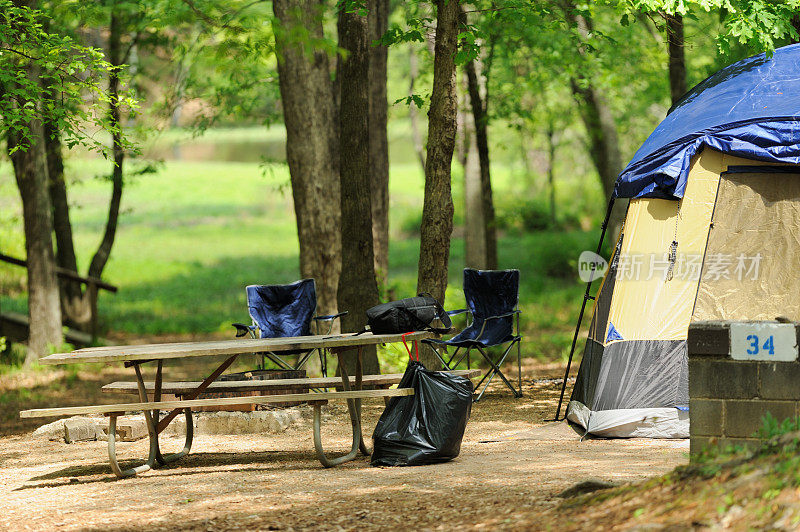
(30, 171)
(600, 129)
(378, 20)
(482, 143)
(796, 26)
(74, 308)
(65, 249)
(677, 58)
(437, 210)
(413, 113)
(115, 58)
(527, 160)
(357, 287)
(474, 226)
(311, 145)
(551, 174)
(464, 134)
(602, 133)
(603, 147)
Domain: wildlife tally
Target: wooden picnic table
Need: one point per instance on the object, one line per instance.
(136, 355)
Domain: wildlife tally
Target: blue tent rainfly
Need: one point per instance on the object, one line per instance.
(749, 109)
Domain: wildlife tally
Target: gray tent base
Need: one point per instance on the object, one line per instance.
(666, 422)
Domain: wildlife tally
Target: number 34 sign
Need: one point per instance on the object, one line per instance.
(764, 341)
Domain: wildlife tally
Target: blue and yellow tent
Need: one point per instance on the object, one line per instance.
(712, 232)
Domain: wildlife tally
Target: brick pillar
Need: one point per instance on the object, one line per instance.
(728, 398)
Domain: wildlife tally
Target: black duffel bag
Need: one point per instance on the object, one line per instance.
(406, 315)
(427, 427)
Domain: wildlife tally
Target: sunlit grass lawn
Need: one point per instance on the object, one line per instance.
(193, 234)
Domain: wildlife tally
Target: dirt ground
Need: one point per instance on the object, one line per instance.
(512, 466)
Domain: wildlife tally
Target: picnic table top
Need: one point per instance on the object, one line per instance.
(124, 353)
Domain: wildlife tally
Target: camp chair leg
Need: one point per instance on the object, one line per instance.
(439, 356)
(495, 370)
(519, 360)
(112, 452)
(449, 364)
(517, 392)
(323, 362)
(486, 375)
(302, 359)
(460, 360)
(280, 363)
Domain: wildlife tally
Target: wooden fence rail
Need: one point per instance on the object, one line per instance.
(93, 284)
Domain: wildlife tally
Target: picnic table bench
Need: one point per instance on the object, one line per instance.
(134, 356)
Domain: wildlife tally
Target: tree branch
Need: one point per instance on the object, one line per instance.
(213, 23)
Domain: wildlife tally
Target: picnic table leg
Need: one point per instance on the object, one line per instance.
(112, 452)
(330, 462)
(160, 458)
(162, 424)
(359, 378)
(353, 409)
(187, 445)
(112, 437)
(354, 405)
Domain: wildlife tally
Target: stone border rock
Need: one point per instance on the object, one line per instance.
(133, 427)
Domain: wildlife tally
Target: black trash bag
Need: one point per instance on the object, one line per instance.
(427, 427)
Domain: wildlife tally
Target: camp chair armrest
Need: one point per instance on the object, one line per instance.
(242, 329)
(330, 316)
(506, 315)
(486, 320)
(329, 319)
(457, 312)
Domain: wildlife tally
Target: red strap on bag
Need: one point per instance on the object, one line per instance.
(416, 346)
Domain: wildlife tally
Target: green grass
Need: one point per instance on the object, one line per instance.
(193, 234)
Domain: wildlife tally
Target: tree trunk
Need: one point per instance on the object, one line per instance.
(677, 58)
(603, 147)
(413, 113)
(378, 20)
(311, 146)
(74, 308)
(73, 311)
(482, 143)
(600, 129)
(463, 136)
(62, 226)
(358, 290)
(30, 171)
(551, 174)
(437, 210)
(115, 58)
(474, 226)
(796, 26)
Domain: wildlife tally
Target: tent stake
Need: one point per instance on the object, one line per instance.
(586, 297)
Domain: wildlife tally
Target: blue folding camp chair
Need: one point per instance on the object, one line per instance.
(285, 310)
(492, 298)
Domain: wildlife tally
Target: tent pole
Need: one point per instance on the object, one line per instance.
(586, 297)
